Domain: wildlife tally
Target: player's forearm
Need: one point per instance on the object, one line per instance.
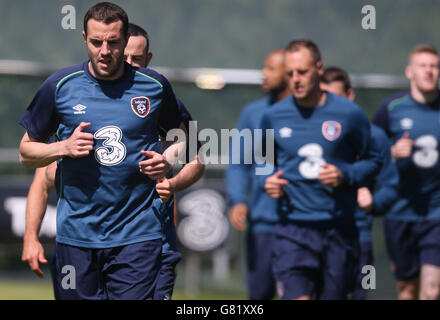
(384, 198)
(362, 171)
(36, 204)
(188, 175)
(177, 150)
(34, 154)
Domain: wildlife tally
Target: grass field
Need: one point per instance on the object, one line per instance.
(18, 283)
(42, 290)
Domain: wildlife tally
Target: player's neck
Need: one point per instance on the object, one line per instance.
(283, 94)
(423, 97)
(316, 98)
(115, 76)
(278, 95)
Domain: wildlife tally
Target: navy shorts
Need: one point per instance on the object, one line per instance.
(365, 258)
(124, 273)
(411, 245)
(167, 276)
(316, 259)
(260, 279)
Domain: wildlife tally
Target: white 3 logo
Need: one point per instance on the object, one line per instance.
(427, 155)
(113, 150)
(311, 165)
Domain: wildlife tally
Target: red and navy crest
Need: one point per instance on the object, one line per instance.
(331, 130)
(140, 106)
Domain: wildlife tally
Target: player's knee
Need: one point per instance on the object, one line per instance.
(430, 293)
(407, 291)
(407, 295)
(304, 298)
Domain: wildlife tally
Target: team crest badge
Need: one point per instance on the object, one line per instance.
(140, 106)
(331, 130)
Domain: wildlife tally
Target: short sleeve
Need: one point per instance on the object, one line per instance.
(40, 118)
(169, 117)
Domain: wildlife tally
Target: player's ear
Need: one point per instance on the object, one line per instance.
(149, 57)
(84, 36)
(408, 72)
(350, 94)
(320, 66)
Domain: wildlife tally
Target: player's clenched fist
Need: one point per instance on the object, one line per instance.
(403, 147)
(237, 216)
(164, 189)
(274, 185)
(156, 166)
(330, 176)
(365, 199)
(79, 143)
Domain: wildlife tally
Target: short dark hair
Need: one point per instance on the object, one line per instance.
(332, 74)
(296, 45)
(107, 12)
(135, 31)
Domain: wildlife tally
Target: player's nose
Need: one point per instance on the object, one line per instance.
(105, 49)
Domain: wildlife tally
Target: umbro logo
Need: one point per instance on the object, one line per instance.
(285, 132)
(79, 109)
(406, 123)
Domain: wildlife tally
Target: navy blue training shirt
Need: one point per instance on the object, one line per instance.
(386, 184)
(104, 201)
(338, 132)
(262, 214)
(419, 187)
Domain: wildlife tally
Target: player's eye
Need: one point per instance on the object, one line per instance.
(289, 74)
(96, 43)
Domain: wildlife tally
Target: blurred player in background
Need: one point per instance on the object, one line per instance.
(337, 81)
(258, 214)
(412, 227)
(318, 138)
(108, 220)
(137, 54)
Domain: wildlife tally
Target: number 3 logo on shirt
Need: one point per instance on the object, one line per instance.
(427, 155)
(113, 150)
(311, 165)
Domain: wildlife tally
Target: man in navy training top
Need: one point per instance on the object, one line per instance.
(137, 54)
(411, 120)
(259, 213)
(106, 116)
(319, 137)
(336, 80)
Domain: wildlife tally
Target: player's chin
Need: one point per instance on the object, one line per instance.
(105, 72)
(428, 87)
(301, 94)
